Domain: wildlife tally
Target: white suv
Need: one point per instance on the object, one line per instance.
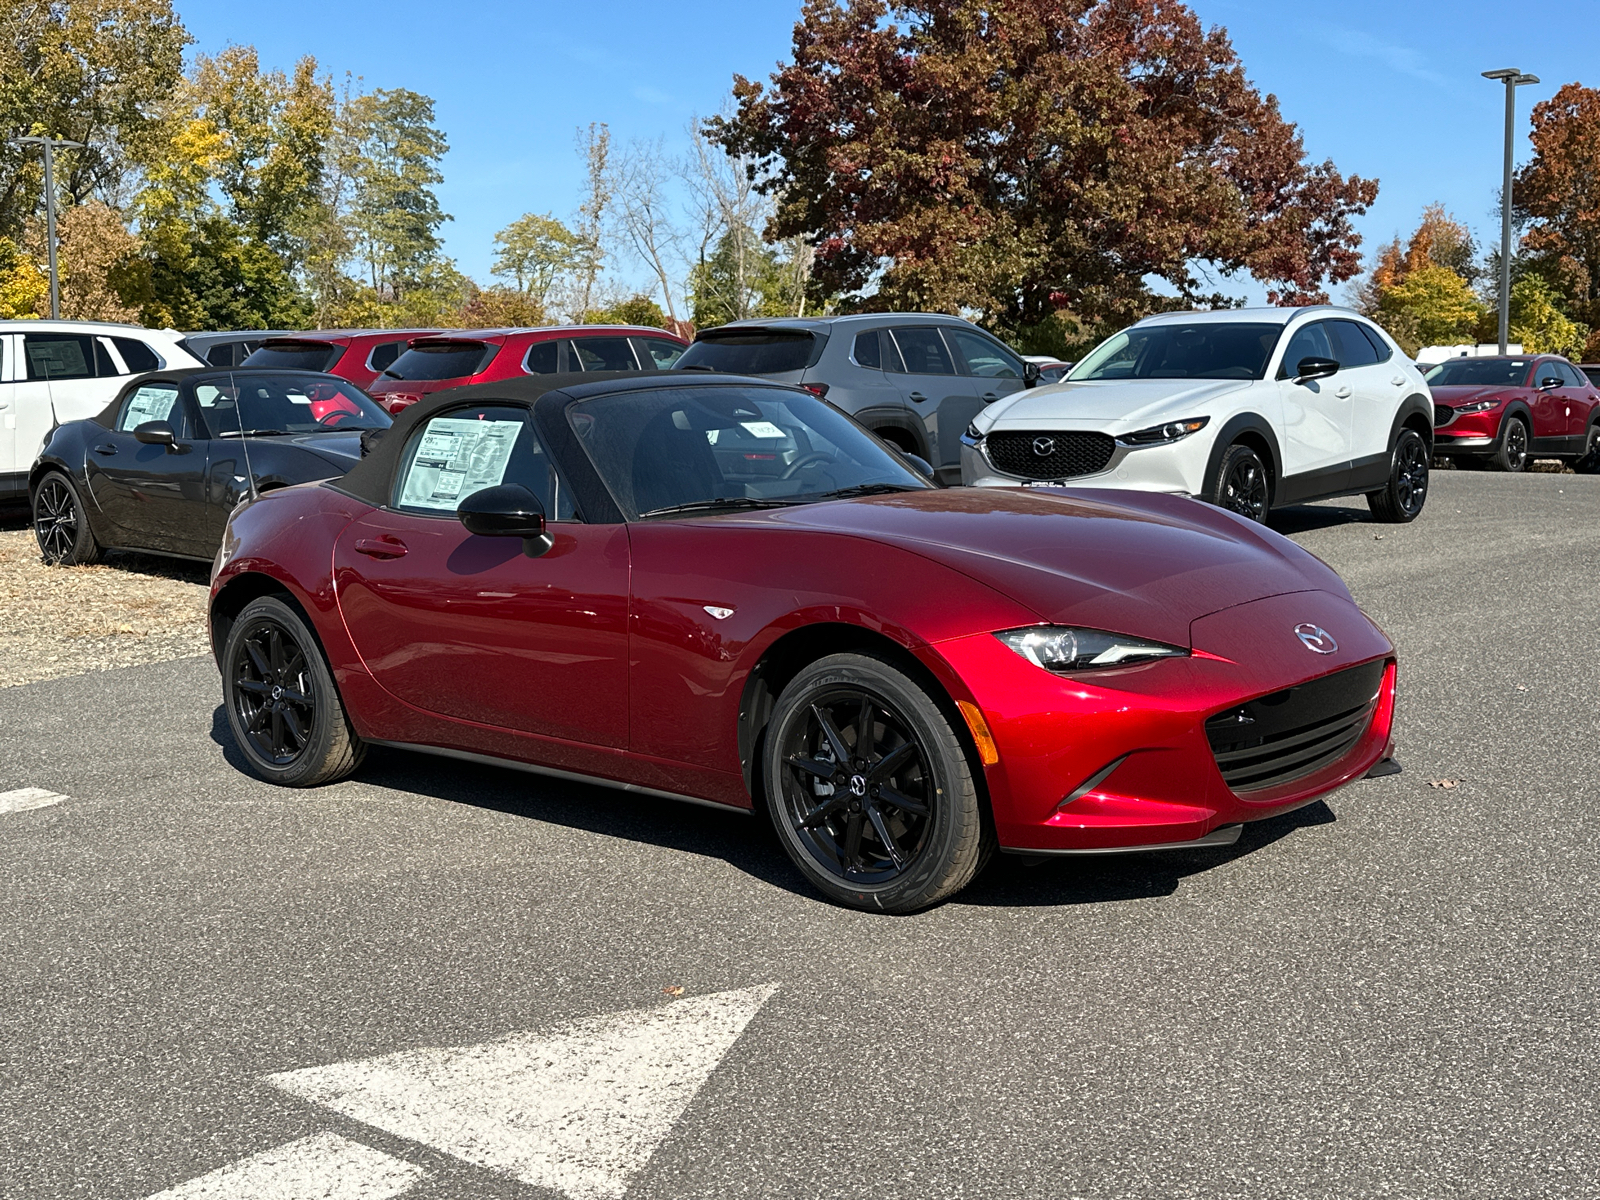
(1245, 408)
(58, 371)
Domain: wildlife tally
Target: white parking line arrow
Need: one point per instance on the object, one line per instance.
(578, 1110)
(23, 799)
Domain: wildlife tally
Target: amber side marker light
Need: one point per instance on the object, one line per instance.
(988, 753)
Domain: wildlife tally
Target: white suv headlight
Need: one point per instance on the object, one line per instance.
(1065, 648)
(1161, 435)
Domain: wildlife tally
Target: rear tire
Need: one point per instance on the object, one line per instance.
(283, 706)
(61, 523)
(1401, 499)
(870, 789)
(1512, 453)
(1243, 484)
(1588, 463)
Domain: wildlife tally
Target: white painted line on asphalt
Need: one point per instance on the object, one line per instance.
(23, 799)
(324, 1166)
(578, 1110)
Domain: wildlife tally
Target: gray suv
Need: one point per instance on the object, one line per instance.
(914, 379)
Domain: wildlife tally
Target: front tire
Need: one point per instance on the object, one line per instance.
(1243, 485)
(1401, 499)
(870, 788)
(61, 523)
(1512, 453)
(282, 704)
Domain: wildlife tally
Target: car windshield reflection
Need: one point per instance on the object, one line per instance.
(723, 448)
(261, 405)
(1203, 350)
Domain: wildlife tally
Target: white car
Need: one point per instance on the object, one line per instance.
(1246, 408)
(52, 372)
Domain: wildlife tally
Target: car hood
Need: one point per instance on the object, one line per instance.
(1142, 564)
(342, 450)
(1135, 401)
(1463, 393)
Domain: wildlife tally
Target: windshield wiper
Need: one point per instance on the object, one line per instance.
(714, 504)
(390, 374)
(254, 433)
(867, 489)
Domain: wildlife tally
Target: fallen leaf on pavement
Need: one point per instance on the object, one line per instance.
(673, 991)
(1443, 783)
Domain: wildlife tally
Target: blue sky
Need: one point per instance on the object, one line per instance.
(1387, 90)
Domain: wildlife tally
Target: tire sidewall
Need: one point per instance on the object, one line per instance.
(956, 795)
(1225, 466)
(320, 746)
(84, 548)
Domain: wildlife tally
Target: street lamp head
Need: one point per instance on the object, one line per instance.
(1504, 73)
(1521, 80)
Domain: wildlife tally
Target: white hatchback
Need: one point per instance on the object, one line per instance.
(1246, 408)
(52, 372)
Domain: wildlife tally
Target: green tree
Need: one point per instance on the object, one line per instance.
(23, 287)
(1018, 159)
(1538, 322)
(536, 251)
(636, 310)
(395, 213)
(1432, 306)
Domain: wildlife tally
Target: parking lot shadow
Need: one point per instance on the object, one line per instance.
(1303, 518)
(748, 843)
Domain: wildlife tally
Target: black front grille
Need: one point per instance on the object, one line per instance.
(1443, 414)
(1065, 454)
(1290, 734)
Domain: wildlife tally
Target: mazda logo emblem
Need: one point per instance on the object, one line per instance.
(1044, 447)
(858, 785)
(1316, 639)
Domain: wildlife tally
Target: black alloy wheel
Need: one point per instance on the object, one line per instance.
(1243, 484)
(282, 704)
(870, 787)
(1401, 499)
(1512, 454)
(60, 524)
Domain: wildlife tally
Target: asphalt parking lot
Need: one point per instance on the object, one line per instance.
(1390, 993)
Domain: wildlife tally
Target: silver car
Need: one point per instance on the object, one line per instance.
(914, 379)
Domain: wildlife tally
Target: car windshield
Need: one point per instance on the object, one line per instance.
(688, 449)
(443, 360)
(1171, 350)
(759, 352)
(275, 404)
(1479, 372)
(296, 356)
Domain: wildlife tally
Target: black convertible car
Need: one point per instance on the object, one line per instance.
(162, 467)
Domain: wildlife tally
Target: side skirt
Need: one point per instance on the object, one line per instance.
(489, 760)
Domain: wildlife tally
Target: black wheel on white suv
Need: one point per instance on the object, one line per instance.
(1243, 484)
(1402, 497)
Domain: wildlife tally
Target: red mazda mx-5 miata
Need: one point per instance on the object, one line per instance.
(712, 588)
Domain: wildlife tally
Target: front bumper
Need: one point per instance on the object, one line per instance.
(1119, 759)
(1178, 468)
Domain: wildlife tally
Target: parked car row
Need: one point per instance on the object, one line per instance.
(1505, 411)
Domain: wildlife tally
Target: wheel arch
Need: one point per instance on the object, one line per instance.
(797, 649)
(898, 423)
(238, 592)
(1415, 412)
(1252, 430)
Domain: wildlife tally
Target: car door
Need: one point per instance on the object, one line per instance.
(12, 471)
(1315, 437)
(1575, 396)
(152, 494)
(470, 627)
(1548, 402)
(64, 377)
(1373, 398)
(995, 371)
(941, 398)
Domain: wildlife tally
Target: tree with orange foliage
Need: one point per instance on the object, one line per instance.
(1558, 193)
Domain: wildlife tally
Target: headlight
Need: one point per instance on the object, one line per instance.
(1161, 435)
(1061, 648)
(971, 437)
(1480, 406)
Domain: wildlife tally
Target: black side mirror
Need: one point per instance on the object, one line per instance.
(1551, 381)
(156, 433)
(509, 510)
(1030, 374)
(923, 466)
(1315, 368)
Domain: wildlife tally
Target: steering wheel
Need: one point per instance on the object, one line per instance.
(335, 417)
(805, 460)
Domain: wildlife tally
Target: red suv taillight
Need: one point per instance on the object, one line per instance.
(395, 402)
(819, 390)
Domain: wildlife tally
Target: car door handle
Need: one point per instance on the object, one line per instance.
(105, 448)
(1398, 381)
(1343, 393)
(918, 397)
(385, 547)
(991, 397)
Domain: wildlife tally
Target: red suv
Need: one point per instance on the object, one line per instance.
(354, 354)
(1511, 408)
(482, 355)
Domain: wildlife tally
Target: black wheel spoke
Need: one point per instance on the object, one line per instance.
(864, 726)
(901, 801)
(821, 812)
(884, 836)
(891, 762)
(835, 741)
(814, 766)
(258, 660)
(852, 841)
(292, 722)
(254, 687)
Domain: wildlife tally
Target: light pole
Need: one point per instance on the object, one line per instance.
(1513, 78)
(51, 145)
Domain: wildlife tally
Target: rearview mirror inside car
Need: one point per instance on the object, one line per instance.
(1315, 368)
(156, 433)
(509, 510)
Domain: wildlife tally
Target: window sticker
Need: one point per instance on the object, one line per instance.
(762, 429)
(150, 404)
(457, 457)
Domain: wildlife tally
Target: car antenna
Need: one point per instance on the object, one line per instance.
(244, 442)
